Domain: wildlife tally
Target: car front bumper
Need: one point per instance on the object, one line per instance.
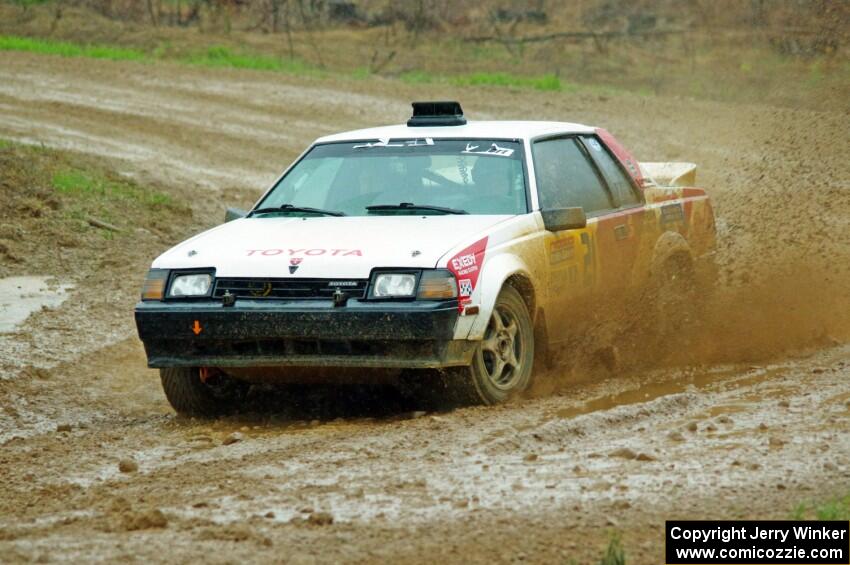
(262, 333)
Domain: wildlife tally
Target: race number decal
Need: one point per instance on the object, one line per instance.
(466, 266)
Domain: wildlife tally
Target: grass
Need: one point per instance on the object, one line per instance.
(88, 184)
(545, 82)
(65, 49)
(220, 56)
(614, 553)
(834, 509)
(505, 80)
(361, 73)
(224, 57)
(418, 77)
(56, 207)
(217, 56)
(59, 197)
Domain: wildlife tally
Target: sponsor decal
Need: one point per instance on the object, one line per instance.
(492, 150)
(671, 213)
(466, 267)
(385, 142)
(562, 250)
(465, 286)
(304, 251)
(622, 232)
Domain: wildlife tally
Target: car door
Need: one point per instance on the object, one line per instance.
(567, 177)
(619, 231)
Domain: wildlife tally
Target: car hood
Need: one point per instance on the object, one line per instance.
(324, 247)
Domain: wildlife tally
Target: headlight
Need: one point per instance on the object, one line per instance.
(394, 285)
(154, 286)
(197, 284)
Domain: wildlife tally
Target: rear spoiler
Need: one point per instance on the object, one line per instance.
(668, 174)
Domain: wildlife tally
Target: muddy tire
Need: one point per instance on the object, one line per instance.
(189, 396)
(503, 361)
(676, 296)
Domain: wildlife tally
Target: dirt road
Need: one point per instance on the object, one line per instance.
(753, 420)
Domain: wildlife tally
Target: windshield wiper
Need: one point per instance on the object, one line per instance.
(291, 208)
(412, 206)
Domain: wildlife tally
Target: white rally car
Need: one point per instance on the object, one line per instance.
(456, 248)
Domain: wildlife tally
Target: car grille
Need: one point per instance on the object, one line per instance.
(289, 289)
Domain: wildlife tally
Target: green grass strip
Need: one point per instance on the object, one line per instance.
(220, 56)
(504, 80)
(223, 57)
(834, 509)
(91, 185)
(545, 82)
(50, 47)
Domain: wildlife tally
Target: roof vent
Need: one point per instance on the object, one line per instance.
(427, 114)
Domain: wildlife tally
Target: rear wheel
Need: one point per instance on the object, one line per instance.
(676, 295)
(503, 361)
(190, 395)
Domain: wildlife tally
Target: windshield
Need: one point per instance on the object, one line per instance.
(475, 176)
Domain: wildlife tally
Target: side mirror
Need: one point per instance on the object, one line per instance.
(561, 219)
(234, 214)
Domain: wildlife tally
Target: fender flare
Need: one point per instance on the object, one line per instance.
(494, 276)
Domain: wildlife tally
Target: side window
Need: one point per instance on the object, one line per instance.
(614, 175)
(565, 177)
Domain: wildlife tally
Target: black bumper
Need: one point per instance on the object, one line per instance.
(256, 333)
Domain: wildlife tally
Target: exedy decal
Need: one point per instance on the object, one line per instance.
(309, 252)
(466, 267)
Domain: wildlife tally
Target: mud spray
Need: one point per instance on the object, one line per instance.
(783, 250)
(783, 272)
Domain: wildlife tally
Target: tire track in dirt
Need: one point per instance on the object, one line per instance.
(768, 435)
(197, 130)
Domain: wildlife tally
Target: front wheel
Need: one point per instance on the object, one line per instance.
(503, 361)
(215, 395)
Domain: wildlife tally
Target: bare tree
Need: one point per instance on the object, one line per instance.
(308, 18)
(382, 57)
(153, 12)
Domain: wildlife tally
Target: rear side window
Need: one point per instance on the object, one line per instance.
(565, 177)
(614, 175)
